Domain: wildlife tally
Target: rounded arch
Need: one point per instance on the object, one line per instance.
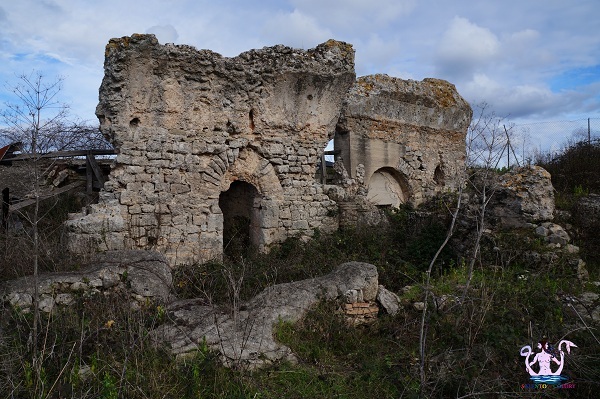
(256, 170)
(250, 197)
(241, 229)
(387, 186)
(439, 177)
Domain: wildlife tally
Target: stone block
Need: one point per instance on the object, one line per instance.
(177, 188)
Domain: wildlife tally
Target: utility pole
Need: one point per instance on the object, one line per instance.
(589, 133)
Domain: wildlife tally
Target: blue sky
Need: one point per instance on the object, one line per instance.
(530, 60)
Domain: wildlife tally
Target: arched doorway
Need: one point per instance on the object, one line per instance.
(388, 187)
(241, 227)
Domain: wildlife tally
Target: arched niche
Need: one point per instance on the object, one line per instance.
(388, 187)
(241, 225)
(439, 177)
(250, 197)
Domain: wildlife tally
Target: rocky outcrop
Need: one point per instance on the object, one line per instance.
(146, 276)
(388, 300)
(553, 233)
(522, 196)
(244, 337)
(403, 140)
(191, 125)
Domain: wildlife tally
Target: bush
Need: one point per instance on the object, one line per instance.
(576, 170)
(100, 347)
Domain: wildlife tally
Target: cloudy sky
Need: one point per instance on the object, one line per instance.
(531, 60)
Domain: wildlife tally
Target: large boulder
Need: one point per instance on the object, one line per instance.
(145, 275)
(244, 336)
(522, 196)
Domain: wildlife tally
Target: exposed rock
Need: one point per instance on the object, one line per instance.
(523, 196)
(572, 249)
(146, 275)
(245, 337)
(553, 233)
(586, 211)
(388, 300)
(444, 302)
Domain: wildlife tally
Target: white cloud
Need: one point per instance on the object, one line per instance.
(466, 47)
(164, 33)
(354, 16)
(376, 54)
(510, 101)
(295, 29)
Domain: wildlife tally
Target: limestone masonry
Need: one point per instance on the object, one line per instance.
(211, 147)
(406, 138)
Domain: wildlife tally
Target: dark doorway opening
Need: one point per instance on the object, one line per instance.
(240, 225)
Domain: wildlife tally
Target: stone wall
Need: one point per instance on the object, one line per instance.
(404, 140)
(187, 123)
(206, 143)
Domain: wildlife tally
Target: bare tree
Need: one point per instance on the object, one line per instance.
(39, 121)
(42, 123)
(487, 141)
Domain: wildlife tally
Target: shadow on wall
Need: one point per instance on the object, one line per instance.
(388, 187)
(241, 227)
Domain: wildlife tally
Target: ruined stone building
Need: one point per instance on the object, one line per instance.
(404, 140)
(205, 141)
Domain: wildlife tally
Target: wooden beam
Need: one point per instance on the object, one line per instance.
(5, 206)
(91, 161)
(59, 154)
(45, 196)
(323, 170)
(89, 177)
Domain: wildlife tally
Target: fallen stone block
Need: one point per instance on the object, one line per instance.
(244, 337)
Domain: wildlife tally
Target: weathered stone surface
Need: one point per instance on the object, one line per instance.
(189, 123)
(587, 306)
(388, 300)
(145, 275)
(553, 233)
(245, 338)
(207, 142)
(404, 139)
(523, 195)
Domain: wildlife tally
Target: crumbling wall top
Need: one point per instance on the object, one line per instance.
(258, 92)
(432, 103)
